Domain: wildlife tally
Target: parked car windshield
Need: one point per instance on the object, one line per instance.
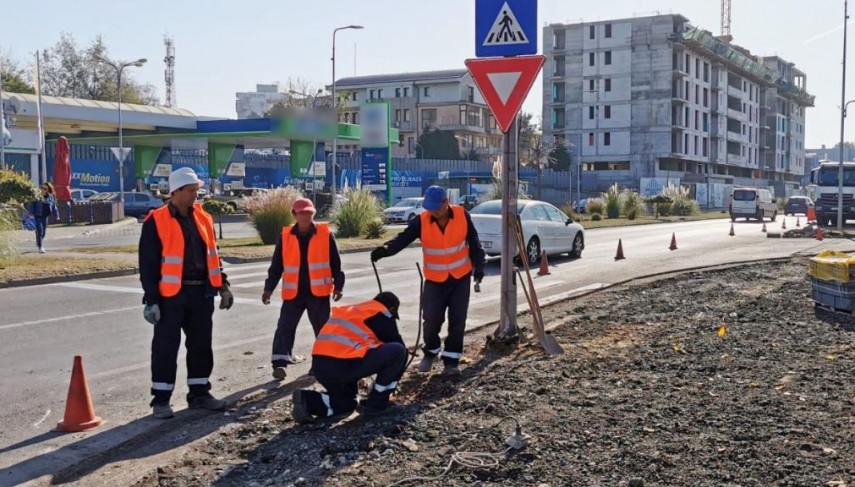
(493, 207)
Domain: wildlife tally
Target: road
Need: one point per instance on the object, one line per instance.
(43, 327)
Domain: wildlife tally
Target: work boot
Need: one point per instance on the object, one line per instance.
(206, 401)
(162, 411)
(279, 373)
(451, 370)
(300, 408)
(426, 363)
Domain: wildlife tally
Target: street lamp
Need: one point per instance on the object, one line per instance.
(335, 105)
(119, 67)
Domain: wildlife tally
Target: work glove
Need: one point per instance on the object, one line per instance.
(479, 276)
(379, 253)
(227, 299)
(151, 313)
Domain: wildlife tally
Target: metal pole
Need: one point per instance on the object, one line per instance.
(2, 125)
(335, 127)
(121, 143)
(842, 122)
(42, 143)
(510, 174)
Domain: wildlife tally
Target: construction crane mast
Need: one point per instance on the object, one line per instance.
(725, 21)
(169, 73)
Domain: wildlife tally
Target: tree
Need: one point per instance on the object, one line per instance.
(560, 157)
(71, 72)
(439, 144)
(536, 153)
(15, 79)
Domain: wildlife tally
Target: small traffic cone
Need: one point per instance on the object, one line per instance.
(619, 255)
(544, 265)
(764, 227)
(819, 233)
(673, 242)
(798, 223)
(79, 413)
(731, 230)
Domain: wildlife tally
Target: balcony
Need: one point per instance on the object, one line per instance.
(455, 123)
(404, 126)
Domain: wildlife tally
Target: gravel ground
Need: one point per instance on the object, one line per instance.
(722, 378)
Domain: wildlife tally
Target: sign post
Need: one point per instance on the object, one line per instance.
(506, 35)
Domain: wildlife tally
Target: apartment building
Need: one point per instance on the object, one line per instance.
(444, 100)
(657, 97)
(254, 104)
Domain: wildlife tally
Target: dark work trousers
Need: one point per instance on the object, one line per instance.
(191, 310)
(290, 316)
(41, 229)
(451, 295)
(340, 378)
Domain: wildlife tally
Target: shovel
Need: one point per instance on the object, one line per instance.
(545, 340)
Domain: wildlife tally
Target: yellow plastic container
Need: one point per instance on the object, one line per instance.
(832, 265)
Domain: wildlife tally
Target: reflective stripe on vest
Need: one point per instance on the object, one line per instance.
(345, 335)
(320, 273)
(172, 241)
(445, 253)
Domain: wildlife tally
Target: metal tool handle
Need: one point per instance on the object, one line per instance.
(379, 286)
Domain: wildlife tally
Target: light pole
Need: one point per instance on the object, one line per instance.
(335, 107)
(119, 67)
(842, 123)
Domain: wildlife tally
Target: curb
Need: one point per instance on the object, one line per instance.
(251, 260)
(119, 224)
(68, 278)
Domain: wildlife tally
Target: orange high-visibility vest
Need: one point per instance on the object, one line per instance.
(445, 253)
(320, 273)
(172, 241)
(346, 335)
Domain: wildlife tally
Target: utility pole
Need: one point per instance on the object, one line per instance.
(842, 122)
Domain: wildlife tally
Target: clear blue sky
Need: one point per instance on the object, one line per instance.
(224, 46)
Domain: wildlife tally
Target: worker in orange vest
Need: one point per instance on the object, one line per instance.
(452, 256)
(307, 261)
(358, 341)
(181, 272)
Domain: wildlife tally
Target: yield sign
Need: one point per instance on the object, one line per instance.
(504, 83)
(120, 153)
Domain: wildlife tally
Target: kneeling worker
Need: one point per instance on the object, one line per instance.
(358, 341)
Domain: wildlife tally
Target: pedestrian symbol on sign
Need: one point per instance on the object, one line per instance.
(506, 29)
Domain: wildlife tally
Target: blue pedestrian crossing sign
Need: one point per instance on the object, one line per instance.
(505, 27)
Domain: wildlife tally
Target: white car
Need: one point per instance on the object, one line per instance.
(82, 194)
(404, 210)
(544, 227)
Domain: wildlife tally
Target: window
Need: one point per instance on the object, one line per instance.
(398, 115)
(686, 117)
(411, 144)
(688, 64)
(554, 214)
(371, 96)
(607, 111)
(696, 145)
(706, 72)
(406, 92)
(686, 144)
(397, 93)
(590, 85)
(591, 58)
(558, 67)
(608, 31)
(538, 213)
(706, 122)
(706, 97)
(591, 113)
(607, 138)
(608, 84)
(429, 118)
(354, 118)
(608, 57)
(697, 98)
(353, 96)
(705, 142)
(592, 32)
(697, 68)
(590, 138)
(471, 94)
(426, 92)
(697, 118)
(406, 114)
(380, 94)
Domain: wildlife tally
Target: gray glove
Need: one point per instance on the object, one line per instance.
(227, 299)
(151, 313)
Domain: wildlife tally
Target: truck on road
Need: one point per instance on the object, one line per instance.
(826, 178)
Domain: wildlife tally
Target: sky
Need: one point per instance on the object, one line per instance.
(226, 46)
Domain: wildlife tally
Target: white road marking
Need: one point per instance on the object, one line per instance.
(68, 317)
(42, 420)
(134, 290)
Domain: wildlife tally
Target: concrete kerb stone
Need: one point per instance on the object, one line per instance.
(69, 278)
(251, 260)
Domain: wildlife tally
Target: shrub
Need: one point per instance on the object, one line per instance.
(595, 206)
(217, 207)
(596, 217)
(683, 204)
(10, 219)
(612, 198)
(632, 204)
(633, 213)
(353, 216)
(781, 203)
(16, 187)
(271, 211)
(374, 230)
(665, 209)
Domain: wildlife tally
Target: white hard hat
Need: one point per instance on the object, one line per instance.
(182, 177)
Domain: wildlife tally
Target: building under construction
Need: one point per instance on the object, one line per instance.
(650, 99)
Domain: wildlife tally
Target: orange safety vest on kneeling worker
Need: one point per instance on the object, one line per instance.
(172, 241)
(346, 335)
(445, 253)
(320, 272)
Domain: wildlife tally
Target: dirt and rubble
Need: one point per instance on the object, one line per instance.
(722, 378)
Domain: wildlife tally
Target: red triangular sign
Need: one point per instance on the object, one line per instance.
(504, 83)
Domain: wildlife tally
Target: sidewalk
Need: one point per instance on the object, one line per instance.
(61, 232)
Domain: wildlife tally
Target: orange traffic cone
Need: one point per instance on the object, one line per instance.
(764, 227)
(784, 224)
(798, 223)
(819, 233)
(79, 413)
(619, 255)
(673, 242)
(544, 265)
(731, 230)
